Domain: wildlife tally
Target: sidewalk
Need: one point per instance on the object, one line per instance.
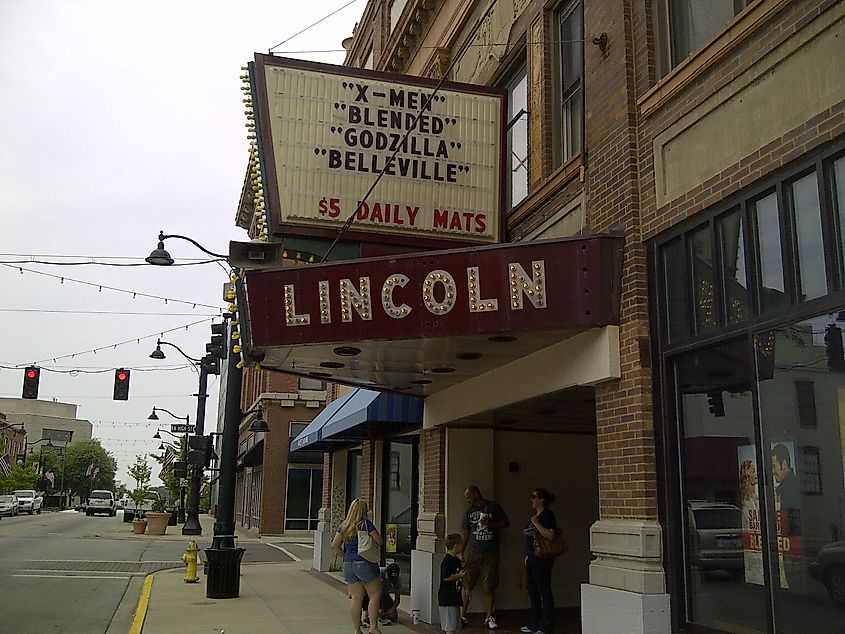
(274, 598)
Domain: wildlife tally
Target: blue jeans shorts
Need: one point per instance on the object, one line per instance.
(360, 571)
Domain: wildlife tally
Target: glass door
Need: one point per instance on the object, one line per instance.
(399, 503)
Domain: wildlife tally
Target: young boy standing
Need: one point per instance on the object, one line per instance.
(449, 597)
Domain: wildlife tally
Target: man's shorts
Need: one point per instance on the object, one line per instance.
(483, 567)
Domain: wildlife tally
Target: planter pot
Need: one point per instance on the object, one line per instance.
(157, 523)
(139, 527)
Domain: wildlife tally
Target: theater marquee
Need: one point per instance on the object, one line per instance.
(326, 132)
(418, 323)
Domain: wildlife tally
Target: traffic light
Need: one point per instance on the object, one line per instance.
(180, 468)
(217, 347)
(31, 375)
(715, 403)
(121, 385)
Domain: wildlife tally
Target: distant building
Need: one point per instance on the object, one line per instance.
(38, 415)
(12, 439)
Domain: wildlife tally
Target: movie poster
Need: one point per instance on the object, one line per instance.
(391, 532)
(752, 542)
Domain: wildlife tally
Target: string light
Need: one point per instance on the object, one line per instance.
(115, 289)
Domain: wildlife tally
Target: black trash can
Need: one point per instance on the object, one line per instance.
(128, 516)
(224, 573)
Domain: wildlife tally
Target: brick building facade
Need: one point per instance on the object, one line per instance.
(710, 137)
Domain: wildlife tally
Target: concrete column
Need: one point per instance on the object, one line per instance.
(425, 565)
(323, 555)
(627, 589)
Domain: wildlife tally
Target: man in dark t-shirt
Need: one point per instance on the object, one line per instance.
(480, 533)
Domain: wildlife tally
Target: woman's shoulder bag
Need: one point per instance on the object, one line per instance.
(549, 548)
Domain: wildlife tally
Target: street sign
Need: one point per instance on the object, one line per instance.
(181, 428)
(183, 482)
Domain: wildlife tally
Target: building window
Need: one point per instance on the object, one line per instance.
(396, 9)
(517, 138)
(306, 383)
(777, 246)
(805, 397)
(569, 110)
(811, 471)
(685, 25)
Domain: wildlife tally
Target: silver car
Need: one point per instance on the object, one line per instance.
(715, 536)
(8, 506)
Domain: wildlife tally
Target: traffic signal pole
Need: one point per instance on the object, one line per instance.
(192, 522)
(224, 527)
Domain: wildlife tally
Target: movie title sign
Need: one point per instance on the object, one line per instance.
(327, 133)
(530, 286)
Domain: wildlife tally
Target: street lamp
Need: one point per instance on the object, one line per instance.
(207, 365)
(183, 442)
(160, 257)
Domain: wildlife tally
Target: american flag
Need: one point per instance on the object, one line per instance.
(90, 470)
(5, 466)
(51, 477)
(166, 462)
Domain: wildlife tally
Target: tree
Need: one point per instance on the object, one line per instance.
(21, 477)
(141, 472)
(87, 466)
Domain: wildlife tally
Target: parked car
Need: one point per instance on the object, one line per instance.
(28, 501)
(101, 502)
(829, 569)
(715, 536)
(8, 506)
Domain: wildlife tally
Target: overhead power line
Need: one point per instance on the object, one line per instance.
(102, 312)
(310, 26)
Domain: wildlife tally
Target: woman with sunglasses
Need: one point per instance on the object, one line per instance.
(539, 571)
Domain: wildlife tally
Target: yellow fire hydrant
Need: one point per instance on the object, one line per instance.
(190, 559)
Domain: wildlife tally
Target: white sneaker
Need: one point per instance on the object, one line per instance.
(491, 624)
(526, 629)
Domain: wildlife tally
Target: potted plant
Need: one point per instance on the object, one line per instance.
(157, 518)
(139, 524)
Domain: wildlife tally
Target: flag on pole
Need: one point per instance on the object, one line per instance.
(5, 466)
(90, 470)
(51, 477)
(167, 462)
(96, 472)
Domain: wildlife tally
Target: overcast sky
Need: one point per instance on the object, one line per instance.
(119, 118)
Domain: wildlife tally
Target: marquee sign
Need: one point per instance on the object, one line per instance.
(407, 315)
(326, 133)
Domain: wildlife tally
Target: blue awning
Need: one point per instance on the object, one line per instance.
(359, 415)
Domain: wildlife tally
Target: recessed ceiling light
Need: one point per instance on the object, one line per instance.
(334, 365)
(501, 339)
(421, 382)
(347, 351)
(443, 369)
(468, 356)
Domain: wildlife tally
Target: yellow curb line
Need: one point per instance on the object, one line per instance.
(141, 610)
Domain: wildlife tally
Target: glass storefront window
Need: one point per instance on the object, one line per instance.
(705, 309)
(354, 470)
(731, 228)
(303, 498)
(803, 195)
(672, 256)
(768, 248)
(837, 175)
(803, 471)
(720, 490)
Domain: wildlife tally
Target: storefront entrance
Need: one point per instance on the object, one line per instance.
(399, 503)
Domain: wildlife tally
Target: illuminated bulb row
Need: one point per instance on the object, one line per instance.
(255, 177)
(325, 303)
(357, 298)
(291, 318)
(476, 304)
(397, 312)
(533, 286)
(236, 335)
(439, 276)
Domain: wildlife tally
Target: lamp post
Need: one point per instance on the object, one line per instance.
(183, 453)
(223, 581)
(207, 365)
